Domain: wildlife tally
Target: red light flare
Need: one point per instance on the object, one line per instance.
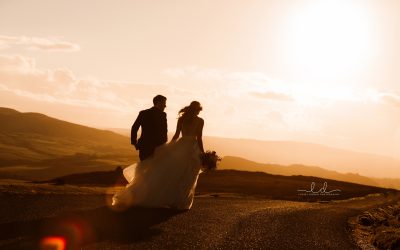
(53, 243)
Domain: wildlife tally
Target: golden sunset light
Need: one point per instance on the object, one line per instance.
(200, 124)
(332, 39)
(310, 71)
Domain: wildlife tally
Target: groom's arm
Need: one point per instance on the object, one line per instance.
(135, 127)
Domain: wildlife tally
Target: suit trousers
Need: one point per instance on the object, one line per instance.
(145, 153)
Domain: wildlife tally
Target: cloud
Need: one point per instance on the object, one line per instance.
(245, 85)
(38, 43)
(210, 74)
(175, 72)
(218, 83)
(391, 98)
(275, 119)
(273, 96)
(20, 76)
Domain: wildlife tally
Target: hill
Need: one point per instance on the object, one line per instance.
(237, 163)
(33, 145)
(279, 186)
(236, 182)
(301, 153)
(288, 153)
(37, 147)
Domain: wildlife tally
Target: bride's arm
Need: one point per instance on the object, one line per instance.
(178, 130)
(200, 135)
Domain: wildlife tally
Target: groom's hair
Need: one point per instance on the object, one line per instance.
(159, 98)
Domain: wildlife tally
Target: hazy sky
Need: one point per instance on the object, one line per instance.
(324, 71)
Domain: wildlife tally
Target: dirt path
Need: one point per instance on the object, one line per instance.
(212, 223)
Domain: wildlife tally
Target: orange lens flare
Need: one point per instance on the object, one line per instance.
(53, 243)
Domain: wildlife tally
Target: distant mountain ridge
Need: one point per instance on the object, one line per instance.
(301, 153)
(249, 183)
(13, 121)
(288, 153)
(35, 146)
(237, 163)
(231, 162)
(38, 145)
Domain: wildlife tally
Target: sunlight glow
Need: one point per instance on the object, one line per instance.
(313, 93)
(329, 38)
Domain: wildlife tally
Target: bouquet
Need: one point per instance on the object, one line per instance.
(209, 160)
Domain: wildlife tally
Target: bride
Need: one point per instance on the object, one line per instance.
(168, 179)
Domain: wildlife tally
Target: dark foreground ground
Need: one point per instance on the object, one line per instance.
(83, 218)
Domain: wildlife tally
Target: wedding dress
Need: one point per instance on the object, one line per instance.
(168, 179)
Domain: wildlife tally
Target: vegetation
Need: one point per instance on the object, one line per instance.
(35, 146)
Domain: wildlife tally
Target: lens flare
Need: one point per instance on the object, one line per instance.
(53, 243)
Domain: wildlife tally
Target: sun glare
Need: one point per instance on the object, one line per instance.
(312, 94)
(329, 39)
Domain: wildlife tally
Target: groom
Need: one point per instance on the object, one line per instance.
(154, 128)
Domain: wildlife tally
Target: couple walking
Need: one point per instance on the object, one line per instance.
(166, 175)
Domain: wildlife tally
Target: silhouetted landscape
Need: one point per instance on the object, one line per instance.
(237, 163)
(35, 146)
(259, 184)
(200, 125)
(229, 205)
(295, 153)
(58, 175)
(38, 147)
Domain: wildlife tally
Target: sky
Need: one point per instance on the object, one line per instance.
(324, 72)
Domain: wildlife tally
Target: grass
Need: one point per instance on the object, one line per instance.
(244, 183)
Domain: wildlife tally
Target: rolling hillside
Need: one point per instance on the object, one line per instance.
(289, 153)
(237, 163)
(234, 182)
(38, 146)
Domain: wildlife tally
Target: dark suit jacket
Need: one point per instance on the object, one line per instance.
(154, 129)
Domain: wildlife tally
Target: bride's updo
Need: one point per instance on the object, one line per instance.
(190, 112)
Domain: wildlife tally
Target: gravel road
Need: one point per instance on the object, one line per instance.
(223, 222)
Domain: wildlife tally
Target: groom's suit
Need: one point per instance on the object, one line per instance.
(154, 131)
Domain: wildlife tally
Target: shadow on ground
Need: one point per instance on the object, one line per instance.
(85, 227)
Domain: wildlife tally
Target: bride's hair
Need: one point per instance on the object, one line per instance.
(189, 112)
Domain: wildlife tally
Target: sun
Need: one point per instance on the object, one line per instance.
(329, 39)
